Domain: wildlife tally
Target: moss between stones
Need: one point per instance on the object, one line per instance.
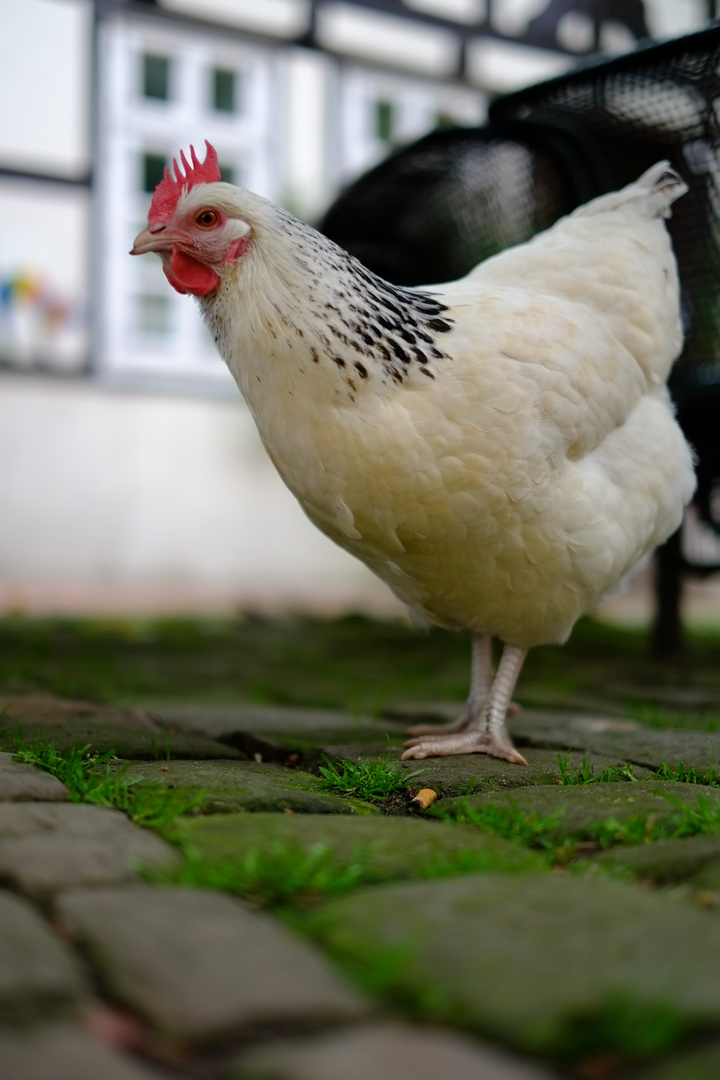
(551, 963)
(388, 848)
(580, 812)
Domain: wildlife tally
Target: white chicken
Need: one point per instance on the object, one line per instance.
(501, 450)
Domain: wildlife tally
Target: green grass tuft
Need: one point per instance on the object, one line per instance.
(273, 875)
(510, 822)
(572, 775)
(585, 773)
(545, 834)
(369, 780)
(89, 779)
(700, 820)
(688, 774)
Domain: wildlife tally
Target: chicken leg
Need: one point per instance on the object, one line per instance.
(481, 677)
(481, 728)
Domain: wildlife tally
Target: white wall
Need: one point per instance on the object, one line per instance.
(124, 501)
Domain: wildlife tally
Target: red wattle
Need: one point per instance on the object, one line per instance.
(187, 275)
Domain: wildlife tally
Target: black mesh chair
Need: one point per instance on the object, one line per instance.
(433, 210)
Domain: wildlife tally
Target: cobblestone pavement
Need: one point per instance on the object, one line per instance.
(456, 952)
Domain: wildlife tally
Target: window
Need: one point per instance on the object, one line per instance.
(224, 90)
(384, 120)
(227, 173)
(156, 77)
(153, 315)
(153, 170)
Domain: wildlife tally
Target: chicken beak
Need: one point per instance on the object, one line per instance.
(151, 240)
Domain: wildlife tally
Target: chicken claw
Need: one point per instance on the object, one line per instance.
(473, 742)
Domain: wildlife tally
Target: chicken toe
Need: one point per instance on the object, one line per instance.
(494, 744)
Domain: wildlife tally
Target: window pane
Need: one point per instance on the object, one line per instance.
(223, 90)
(156, 77)
(384, 120)
(153, 169)
(227, 173)
(153, 315)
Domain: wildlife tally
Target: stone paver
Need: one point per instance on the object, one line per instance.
(694, 858)
(35, 706)
(247, 785)
(581, 808)
(497, 944)
(278, 731)
(127, 737)
(617, 741)
(651, 748)
(63, 1053)
(382, 1052)
(273, 721)
(39, 975)
(200, 965)
(48, 847)
(530, 959)
(564, 729)
(27, 819)
(395, 847)
(20, 782)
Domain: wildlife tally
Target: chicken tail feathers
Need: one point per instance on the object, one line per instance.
(653, 193)
(662, 186)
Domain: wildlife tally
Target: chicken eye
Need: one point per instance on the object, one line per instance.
(207, 218)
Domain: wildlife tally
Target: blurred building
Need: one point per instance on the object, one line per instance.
(106, 375)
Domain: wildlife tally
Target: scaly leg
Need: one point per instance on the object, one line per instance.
(481, 674)
(485, 733)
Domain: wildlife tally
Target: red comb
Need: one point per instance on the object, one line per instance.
(171, 188)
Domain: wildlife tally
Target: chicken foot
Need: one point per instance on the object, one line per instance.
(484, 732)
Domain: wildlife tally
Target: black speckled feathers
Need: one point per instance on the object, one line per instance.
(370, 323)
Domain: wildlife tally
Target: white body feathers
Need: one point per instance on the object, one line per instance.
(501, 450)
